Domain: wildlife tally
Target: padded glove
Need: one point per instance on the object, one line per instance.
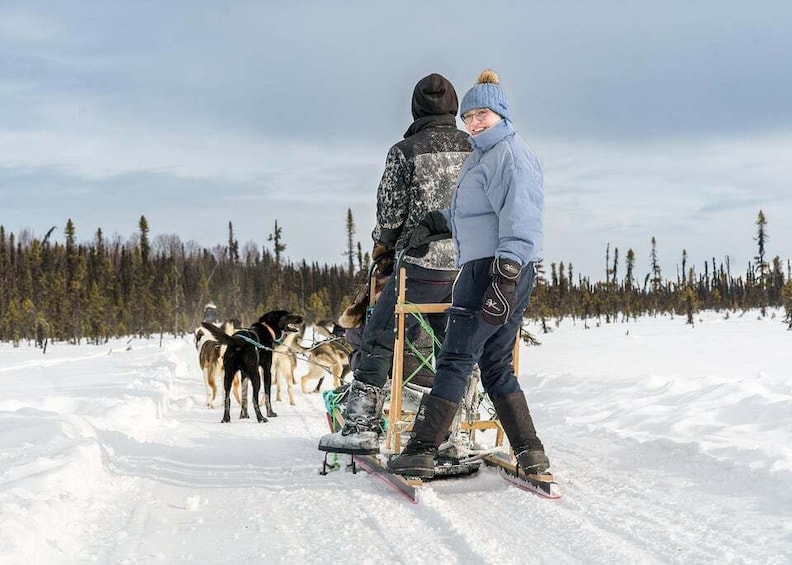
(432, 227)
(501, 294)
(383, 256)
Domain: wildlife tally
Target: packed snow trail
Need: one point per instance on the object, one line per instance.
(110, 456)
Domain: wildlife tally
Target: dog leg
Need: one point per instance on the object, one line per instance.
(215, 374)
(256, 391)
(290, 386)
(226, 410)
(268, 392)
(211, 396)
(259, 416)
(237, 387)
(278, 385)
(229, 378)
(207, 375)
(243, 414)
(319, 384)
(268, 405)
(313, 372)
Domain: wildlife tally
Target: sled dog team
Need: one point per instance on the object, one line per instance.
(462, 212)
(272, 345)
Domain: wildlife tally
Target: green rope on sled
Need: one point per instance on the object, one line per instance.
(425, 361)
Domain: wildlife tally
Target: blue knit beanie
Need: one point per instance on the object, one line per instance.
(486, 94)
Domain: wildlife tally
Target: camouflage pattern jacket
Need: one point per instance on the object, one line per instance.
(420, 176)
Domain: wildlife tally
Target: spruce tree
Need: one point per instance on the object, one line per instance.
(350, 232)
(4, 283)
(233, 246)
(628, 278)
(143, 302)
(278, 247)
(615, 270)
(761, 240)
(145, 246)
(684, 264)
(786, 294)
(689, 300)
(657, 279)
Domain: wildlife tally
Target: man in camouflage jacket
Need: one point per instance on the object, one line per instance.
(420, 176)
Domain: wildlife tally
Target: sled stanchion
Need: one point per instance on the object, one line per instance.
(393, 437)
(516, 353)
(396, 423)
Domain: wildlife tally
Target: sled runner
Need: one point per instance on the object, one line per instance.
(541, 485)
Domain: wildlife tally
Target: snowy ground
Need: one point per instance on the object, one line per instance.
(671, 444)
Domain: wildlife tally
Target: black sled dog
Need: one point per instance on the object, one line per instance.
(254, 363)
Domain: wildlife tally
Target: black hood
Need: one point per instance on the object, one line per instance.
(434, 95)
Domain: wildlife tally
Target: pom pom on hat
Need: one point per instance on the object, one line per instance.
(487, 93)
(488, 76)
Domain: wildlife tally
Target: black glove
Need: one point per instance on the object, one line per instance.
(501, 294)
(432, 227)
(383, 256)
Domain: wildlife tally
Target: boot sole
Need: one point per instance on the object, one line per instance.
(349, 450)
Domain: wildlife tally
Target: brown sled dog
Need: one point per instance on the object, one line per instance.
(210, 358)
(252, 361)
(330, 355)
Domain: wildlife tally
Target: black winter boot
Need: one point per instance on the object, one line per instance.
(362, 416)
(516, 419)
(429, 430)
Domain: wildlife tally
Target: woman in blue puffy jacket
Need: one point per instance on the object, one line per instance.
(495, 219)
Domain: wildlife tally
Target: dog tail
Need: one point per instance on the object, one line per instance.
(219, 334)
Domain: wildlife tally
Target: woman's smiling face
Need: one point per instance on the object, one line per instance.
(480, 119)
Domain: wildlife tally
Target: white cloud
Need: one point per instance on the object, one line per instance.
(702, 196)
(242, 159)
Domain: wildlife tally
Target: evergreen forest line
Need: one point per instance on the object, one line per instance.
(93, 291)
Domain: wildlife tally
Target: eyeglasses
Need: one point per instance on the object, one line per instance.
(478, 115)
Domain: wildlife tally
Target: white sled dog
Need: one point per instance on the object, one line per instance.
(210, 357)
(284, 362)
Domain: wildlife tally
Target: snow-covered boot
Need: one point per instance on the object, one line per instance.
(516, 419)
(362, 416)
(430, 428)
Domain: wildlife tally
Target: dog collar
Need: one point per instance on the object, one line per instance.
(270, 330)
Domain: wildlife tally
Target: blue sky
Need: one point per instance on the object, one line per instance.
(669, 119)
